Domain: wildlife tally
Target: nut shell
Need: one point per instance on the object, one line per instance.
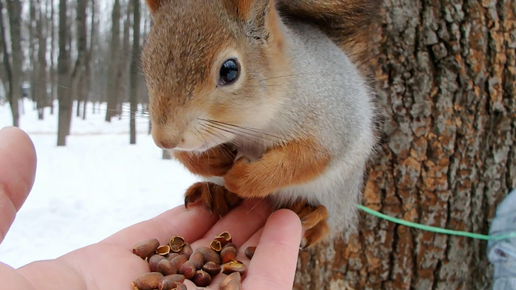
(188, 270)
(170, 282)
(209, 255)
(234, 266)
(197, 259)
(163, 250)
(148, 281)
(212, 269)
(166, 268)
(153, 262)
(146, 248)
(228, 254)
(186, 250)
(202, 278)
(176, 244)
(231, 282)
(249, 252)
(178, 261)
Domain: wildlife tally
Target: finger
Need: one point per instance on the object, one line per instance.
(274, 263)
(17, 172)
(192, 224)
(241, 222)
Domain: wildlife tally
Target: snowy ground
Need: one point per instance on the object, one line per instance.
(93, 187)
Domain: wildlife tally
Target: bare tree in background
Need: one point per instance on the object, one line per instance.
(78, 73)
(135, 60)
(41, 94)
(53, 70)
(89, 57)
(14, 8)
(9, 84)
(63, 71)
(111, 90)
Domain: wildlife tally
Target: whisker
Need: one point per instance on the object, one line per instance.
(245, 129)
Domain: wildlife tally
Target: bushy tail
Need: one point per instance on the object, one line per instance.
(349, 23)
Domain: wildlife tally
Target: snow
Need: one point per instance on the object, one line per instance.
(93, 187)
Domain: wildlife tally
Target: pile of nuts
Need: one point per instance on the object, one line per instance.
(172, 264)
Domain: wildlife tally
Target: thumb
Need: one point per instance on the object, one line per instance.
(17, 172)
(274, 264)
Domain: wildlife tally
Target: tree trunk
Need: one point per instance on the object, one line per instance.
(41, 94)
(135, 60)
(32, 51)
(89, 58)
(63, 71)
(8, 70)
(53, 70)
(111, 93)
(77, 87)
(446, 86)
(14, 8)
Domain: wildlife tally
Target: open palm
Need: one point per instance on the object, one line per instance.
(110, 263)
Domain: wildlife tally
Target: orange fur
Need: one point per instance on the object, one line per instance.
(314, 222)
(153, 5)
(213, 162)
(216, 198)
(294, 163)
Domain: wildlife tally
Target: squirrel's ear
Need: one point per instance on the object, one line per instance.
(255, 13)
(153, 5)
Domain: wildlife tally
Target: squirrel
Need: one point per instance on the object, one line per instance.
(265, 99)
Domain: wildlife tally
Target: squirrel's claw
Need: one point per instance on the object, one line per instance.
(313, 219)
(216, 198)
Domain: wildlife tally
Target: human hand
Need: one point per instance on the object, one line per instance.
(17, 172)
(110, 263)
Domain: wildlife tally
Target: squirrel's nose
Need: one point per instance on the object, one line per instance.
(166, 144)
(165, 139)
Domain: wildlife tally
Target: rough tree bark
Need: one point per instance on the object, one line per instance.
(446, 87)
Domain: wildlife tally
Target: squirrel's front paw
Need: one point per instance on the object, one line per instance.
(216, 198)
(313, 219)
(213, 162)
(244, 180)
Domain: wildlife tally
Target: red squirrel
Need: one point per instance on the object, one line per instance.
(265, 99)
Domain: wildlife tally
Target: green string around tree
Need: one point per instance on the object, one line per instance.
(436, 229)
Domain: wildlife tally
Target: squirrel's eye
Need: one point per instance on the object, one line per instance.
(229, 72)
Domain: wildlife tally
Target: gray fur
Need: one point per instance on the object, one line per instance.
(338, 111)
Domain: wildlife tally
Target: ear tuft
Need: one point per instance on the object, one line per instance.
(154, 5)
